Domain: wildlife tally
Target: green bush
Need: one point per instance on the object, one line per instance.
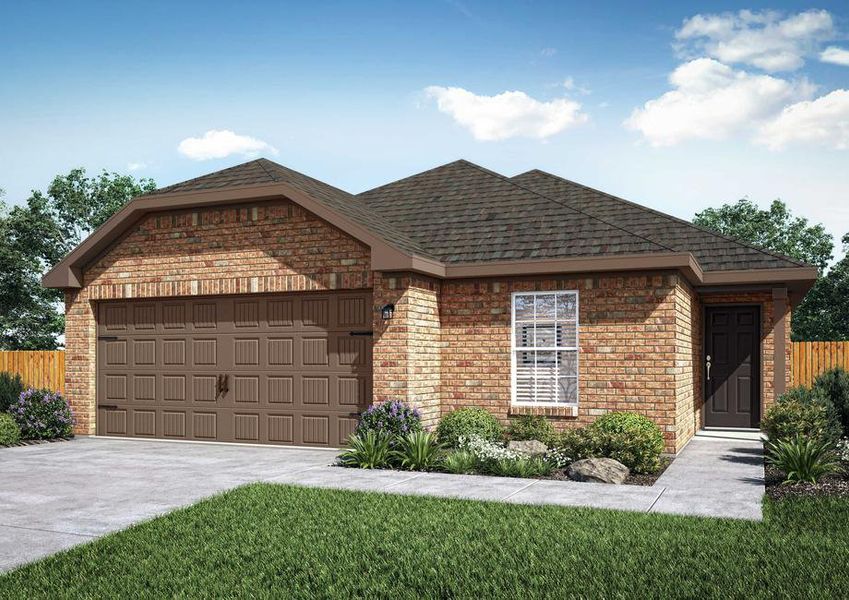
(803, 459)
(802, 412)
(459, 462)
(11, 387)
(418, 451)
(834, 384)
(467, 422)
(634, 440)
(10, 433)
(574, 444)
(523, 466)
(371, 450)
(531, 427)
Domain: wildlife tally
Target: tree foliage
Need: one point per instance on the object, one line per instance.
(35, 236)
(775, 229)
(824, 312)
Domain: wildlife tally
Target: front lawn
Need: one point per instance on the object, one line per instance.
(280, 541)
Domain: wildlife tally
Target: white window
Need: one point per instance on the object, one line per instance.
(545, 348)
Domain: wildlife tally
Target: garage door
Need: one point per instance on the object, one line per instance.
(276, 369)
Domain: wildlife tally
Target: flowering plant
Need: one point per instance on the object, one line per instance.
(484, 449)
(392, 417)
(843, 450)
(42, 414)
(559, 458)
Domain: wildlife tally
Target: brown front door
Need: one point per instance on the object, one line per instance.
(275, 369)
(732, 381)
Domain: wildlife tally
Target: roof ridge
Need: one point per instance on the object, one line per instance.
(677, 219)
(393, 182)
(566, 205)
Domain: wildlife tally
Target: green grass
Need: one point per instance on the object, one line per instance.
(280, 541)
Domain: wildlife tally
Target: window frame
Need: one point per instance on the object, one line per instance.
(514, 349)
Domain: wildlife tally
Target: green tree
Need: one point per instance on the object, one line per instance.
(775, 229)
(824, 313)
(34, 237)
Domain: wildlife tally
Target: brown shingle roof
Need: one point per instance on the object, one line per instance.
(463, 213)
(714, 252)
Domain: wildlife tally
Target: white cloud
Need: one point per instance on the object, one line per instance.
(506, 115)
(761, 39)
(548, 52)
(823, 121)
(711, 100)
(570, 86)
(136, 166)
(219, 143)
(835, 55)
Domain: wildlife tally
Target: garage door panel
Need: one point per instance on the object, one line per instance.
(293, 371)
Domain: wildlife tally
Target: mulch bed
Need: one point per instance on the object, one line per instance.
(36, 442)
(632, 479)
(830, 485)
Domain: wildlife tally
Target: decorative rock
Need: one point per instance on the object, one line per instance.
(528, 447)
(598, 470)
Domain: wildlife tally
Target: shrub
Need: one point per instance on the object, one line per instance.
(418, 451)
(531, 427)
(559, 458)
(392, 417)
(11, 387)
(834, 384)
(801, 412)
(459, 462)
(572, 445)
(370, 450)
(803, 459)
(519, 467)
(634, 440)
(466, 422)
(42, 414)
(10, 433)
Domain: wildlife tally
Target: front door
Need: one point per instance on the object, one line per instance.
(732, 366)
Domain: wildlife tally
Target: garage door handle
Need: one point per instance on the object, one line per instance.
(107, 338)
(109, 406)
(361, 333)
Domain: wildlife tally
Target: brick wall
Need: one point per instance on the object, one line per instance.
(628, 340)
(688, 374)
(267, 247)
(407, 356)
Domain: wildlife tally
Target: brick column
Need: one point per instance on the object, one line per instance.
(779, 313)
(407, 360)
(80, 361)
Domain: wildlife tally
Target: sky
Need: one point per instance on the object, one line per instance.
(675, 105)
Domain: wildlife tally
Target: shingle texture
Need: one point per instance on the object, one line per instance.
(463, 213)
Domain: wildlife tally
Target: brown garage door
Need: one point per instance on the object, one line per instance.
(277, 369)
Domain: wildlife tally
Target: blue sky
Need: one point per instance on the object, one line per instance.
(359, 94)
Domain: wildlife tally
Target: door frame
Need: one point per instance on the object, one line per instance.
(758, 395)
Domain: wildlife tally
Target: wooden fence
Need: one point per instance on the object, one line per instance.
(812, 358)
(38, 368)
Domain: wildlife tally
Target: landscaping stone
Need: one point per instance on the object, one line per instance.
(528, 447)
(598, 470)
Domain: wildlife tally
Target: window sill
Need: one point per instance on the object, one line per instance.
(544, 410)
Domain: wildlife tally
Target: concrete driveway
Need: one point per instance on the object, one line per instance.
(54, 496)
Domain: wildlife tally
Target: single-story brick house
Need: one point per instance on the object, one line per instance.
(257, 304)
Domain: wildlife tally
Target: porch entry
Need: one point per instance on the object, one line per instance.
(731, 366)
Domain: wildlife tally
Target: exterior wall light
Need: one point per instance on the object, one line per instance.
(387, 311)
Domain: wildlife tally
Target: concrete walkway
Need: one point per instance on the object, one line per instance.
(54, 496)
